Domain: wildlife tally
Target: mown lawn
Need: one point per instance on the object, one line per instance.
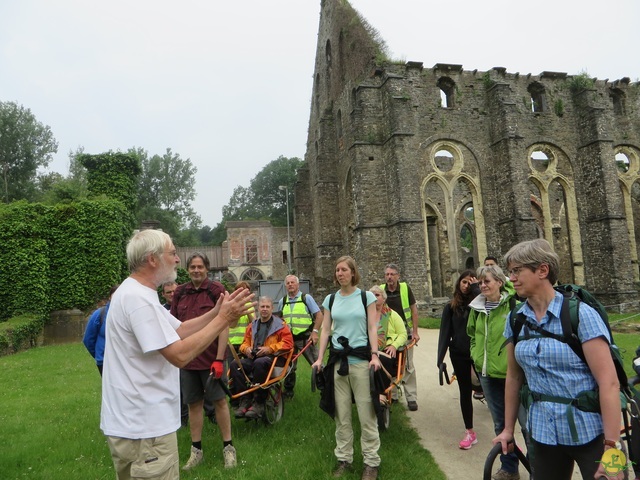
(49, 430)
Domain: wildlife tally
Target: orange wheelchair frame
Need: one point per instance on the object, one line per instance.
(385, 405)
(274, 404)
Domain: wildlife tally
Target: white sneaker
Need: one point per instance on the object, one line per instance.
(195, 459)
(229, 454)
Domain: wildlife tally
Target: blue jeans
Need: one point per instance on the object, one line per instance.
(494, 394)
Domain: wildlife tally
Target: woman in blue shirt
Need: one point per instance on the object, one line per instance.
(353, 349)
(552, 369)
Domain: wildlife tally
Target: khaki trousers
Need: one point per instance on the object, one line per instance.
(357, 381)
(146, 458)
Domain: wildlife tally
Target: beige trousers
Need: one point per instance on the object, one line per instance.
(146, 458)
(357, 381)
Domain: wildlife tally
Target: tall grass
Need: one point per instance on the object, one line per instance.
(49, 430)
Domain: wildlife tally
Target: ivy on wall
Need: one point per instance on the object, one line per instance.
(60, 257)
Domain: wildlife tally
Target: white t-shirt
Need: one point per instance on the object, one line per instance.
(140, 388)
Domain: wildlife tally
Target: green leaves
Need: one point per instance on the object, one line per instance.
(25, 145)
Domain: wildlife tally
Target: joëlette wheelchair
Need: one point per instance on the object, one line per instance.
(280, 367)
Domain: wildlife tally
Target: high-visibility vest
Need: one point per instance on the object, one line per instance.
(236, 334)
(404, 298)
(296, 314)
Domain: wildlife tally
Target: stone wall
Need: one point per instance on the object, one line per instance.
(435, 168)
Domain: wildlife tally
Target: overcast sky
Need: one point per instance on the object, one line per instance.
(227, 84)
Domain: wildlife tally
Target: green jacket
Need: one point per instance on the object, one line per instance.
(487, 342)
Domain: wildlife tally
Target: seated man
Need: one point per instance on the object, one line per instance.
(263, 340)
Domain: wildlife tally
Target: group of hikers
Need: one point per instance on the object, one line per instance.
(203, 330)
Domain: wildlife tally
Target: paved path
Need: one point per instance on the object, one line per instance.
(438, 419)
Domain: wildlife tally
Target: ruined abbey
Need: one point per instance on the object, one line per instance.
(436, 167)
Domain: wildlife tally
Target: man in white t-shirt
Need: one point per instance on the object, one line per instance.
(145, 347)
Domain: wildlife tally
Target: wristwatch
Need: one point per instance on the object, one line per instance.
(315, 330)
(613, 444)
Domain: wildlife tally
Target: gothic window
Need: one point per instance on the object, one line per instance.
(250, 250)
(622, 162)
(447, 89)
(538, 97)
(444, 160)
(540, 160)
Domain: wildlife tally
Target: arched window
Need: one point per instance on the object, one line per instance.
(538, 97)
(447, 89)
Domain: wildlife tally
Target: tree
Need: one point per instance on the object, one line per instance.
(167, 185)
(263, 200)
(25, 145)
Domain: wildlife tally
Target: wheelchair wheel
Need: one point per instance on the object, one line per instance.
(274, 406)
(495, 452)
(384, 418)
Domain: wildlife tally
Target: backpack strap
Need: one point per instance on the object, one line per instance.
(363, 295)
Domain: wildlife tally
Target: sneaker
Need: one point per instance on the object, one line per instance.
(504, 475)
(288, 394)
(212, 417)
(255, 411)
(412, 405)
(478, 395)
(229, 455)
(370, 473)
(342, 468)
(468, 440)
(195, 459)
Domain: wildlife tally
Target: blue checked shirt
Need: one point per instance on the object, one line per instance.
(552, 368)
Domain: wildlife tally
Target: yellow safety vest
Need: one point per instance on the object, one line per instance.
(236, 334)
(404, 298)
(295, 314)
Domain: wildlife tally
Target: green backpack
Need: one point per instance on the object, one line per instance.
(587, 401)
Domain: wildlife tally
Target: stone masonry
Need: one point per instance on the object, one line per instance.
(435, 168)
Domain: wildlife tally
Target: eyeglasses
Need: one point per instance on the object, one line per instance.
(515, 271)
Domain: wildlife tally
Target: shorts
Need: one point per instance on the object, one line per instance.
(145, 458)
(193, 383)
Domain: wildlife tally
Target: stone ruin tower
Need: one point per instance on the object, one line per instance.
(434, 168)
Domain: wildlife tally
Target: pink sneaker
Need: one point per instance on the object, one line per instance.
(468, 440)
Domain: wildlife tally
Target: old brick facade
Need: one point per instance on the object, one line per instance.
(435, 168)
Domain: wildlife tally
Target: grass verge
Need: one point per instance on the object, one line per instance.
(50, 408)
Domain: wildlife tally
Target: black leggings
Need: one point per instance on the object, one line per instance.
(555, 462)
(462, 368)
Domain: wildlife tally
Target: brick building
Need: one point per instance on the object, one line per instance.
(435, 168)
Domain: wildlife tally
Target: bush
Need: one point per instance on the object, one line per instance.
(19, 333)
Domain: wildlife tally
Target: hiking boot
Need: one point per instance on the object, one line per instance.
(255, 411)
(468, 440)
(229, 455)
(243, 405)
(342, 468)
(195, 459)
(504, 475)
(412, 405)
(370, 473)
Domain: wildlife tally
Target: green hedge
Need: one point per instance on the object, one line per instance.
(19, 333)
(60, 257)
